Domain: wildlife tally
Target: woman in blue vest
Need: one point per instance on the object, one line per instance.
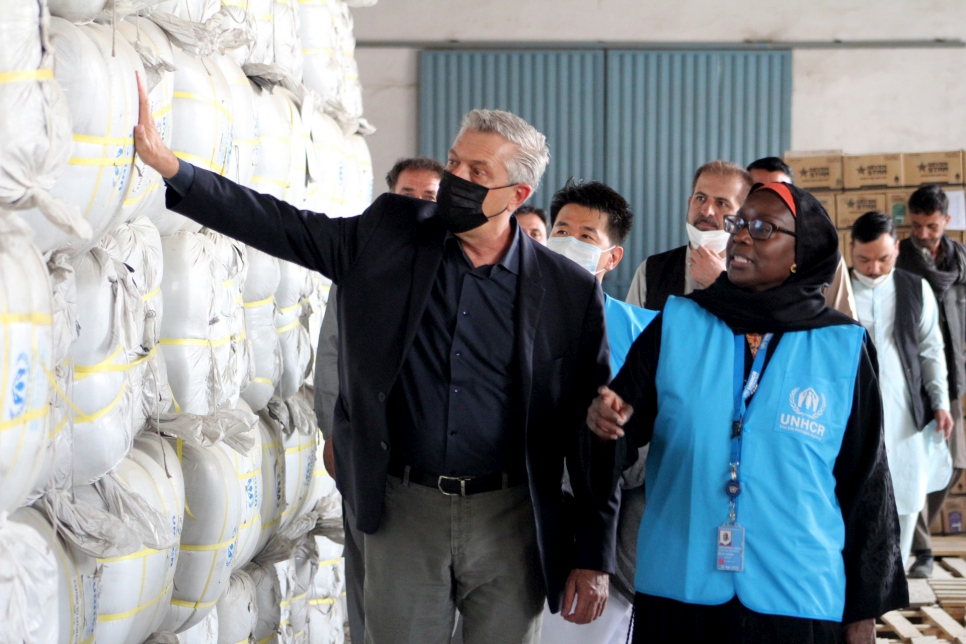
(770, 514)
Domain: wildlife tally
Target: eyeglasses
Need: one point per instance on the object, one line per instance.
(758, 229)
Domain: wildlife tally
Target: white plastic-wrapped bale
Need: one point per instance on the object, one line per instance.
(28, 581)
(321, 485)
(237, 610)
(204, 632)
(26, 337)
(359, 175)
(195, 10)
(239, 368)
(312, 314)
(321, 70)
(248, 473)
(349, 99)
(293, 336)
(78, 11)
(108, 311)
(285, 570)
(136, 587)
(243, 155)
(299, 439)
(305, 560)
(202, 115)
(35, 146)
(102, 95)
(237, 15)
(268, 600)
(78, 584)
(195, 337)
(326, 614)
(330, 152)
(288, 45)
(147, 192)
(281, 166)
(259, 294)
(263, 50)
(273, 478)
(139, 246)
(208, 540)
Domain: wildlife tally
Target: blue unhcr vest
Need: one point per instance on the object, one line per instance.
(793, 429)
(624, 323)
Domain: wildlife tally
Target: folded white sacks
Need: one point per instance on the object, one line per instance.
(139, 248)
(26, 359)
(136, 586)
(204, 632)
(102, 97)
(248, 473)
(312, 315)
(239, 368)
(305, 558)
(268, 600)
(329, 189)
(34, 146)
(243, 154)
(157, 58)
(321, 485)
(326, 603)
(296, 424)
(359, 175)
(78, 584)
(57, 464)
(259, 294)
(288, 45)
(195, 336)
(209, 539)
(287, 580)
(28, 582)
(272, 499)
(108, 312)
(202, 116)
(281, 168)
(321, 70)
(290, 298)
(237, 610)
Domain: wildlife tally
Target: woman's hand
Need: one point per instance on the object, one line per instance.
(607, 414)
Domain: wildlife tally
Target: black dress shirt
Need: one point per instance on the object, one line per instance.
(454, 407)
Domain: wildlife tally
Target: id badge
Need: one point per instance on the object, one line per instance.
(731, 548)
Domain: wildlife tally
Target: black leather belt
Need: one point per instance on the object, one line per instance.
(458, 485)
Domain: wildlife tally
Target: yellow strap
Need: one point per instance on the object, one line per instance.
(25, 418)
(235, 3)
(90, 418)
(228, 283)
(193, 342)
(248, 523)
(177, 408)
(281, 139)
(275, 182)
(287, 327)
(257, 303)
(265, 640)
(163, 111)
(60, 392)
(91, 161)
(55, 432)
(104, 140)
(147, 296)
(32, 75)
(130, 201)
(240, 336)
(184, 604)
(134, 611)
(266, 526)
(140, 554)
(110, 367)
(264, 17)
(89, 640)
(179, 447)
(206, 548)
(319, 2)
(26, 318)
(191, 96)
(297, 598)
(244, 476)
(263, 381)
(201, 162)
(289, 309)
(251, 142)
(330, 562)
(326, 600)
(96, 368)
(300, 448)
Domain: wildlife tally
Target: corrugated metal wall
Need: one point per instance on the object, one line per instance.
(643, 125)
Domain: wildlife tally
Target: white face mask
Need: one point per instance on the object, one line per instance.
(713, 240)
(870, 282)
(587, 255)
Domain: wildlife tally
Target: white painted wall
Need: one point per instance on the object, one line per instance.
(857, 100)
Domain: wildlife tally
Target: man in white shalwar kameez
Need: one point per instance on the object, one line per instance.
(899, 311)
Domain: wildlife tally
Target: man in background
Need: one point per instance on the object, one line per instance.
(533, 221)
(718, 190)
(933, 256)
(418, 177)
(838, 294)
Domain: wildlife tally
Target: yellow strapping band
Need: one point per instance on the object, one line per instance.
(276, 182)
(191, 96)
(134, 611)
(251, 142)
(266, 526)
(91, 161)
(90, 418)
(184, 604)
(147, 296)
(25, 318)
(193, 342)
(89, 640)
(266, 640)
(257, 303)
(281, 139)
(319, 2)
(289, 309)
(287, 327)
(130, 201)
(235, 3)
(140, 554)
(104, 140)
(201, 162)
(325, 600)
(24, 418)
(330, 562)
(32, 75)
(206, 548)
(228, 283)
(286, 602)
(96, 368)
(163, 111)
(179, 448)
(248, 523)
(300, 448)
(109, 367)
(264, 17)
(263, 381)
(60, 392)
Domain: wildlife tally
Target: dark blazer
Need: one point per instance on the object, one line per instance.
(385, 263)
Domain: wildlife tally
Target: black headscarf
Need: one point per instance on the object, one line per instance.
(799, 303)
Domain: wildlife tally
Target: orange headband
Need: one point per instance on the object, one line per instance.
(781, 189)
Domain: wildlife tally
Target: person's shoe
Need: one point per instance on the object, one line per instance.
(922, 566)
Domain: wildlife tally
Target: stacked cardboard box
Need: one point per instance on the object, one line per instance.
(849, 186)
(953, 518)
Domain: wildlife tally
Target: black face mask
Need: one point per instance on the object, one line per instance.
(459, 203)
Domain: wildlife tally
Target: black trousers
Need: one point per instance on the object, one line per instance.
(658, 620)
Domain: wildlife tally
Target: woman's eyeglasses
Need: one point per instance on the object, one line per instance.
(758, 229)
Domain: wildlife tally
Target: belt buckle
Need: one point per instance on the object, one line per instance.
(461, 479)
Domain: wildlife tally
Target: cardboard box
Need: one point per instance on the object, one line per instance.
(937, 525)
(959, 487)
(827, 199)
(845, 246)
(872, 171)
(822, 172)
(954, 514)
(933, 167)
(852, 205)
(897, 205)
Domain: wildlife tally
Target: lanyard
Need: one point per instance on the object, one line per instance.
(742, 395)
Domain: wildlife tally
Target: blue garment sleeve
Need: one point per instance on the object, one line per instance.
(181, 182)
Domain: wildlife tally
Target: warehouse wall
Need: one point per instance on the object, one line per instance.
(858, 100)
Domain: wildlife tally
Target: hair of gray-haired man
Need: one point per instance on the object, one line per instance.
(532, 155)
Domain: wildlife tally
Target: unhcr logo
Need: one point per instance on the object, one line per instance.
(808, 406)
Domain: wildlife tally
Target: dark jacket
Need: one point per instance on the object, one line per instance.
(385, 263)
(906, 334)
(665, 277)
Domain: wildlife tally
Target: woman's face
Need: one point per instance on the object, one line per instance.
(760, 264)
